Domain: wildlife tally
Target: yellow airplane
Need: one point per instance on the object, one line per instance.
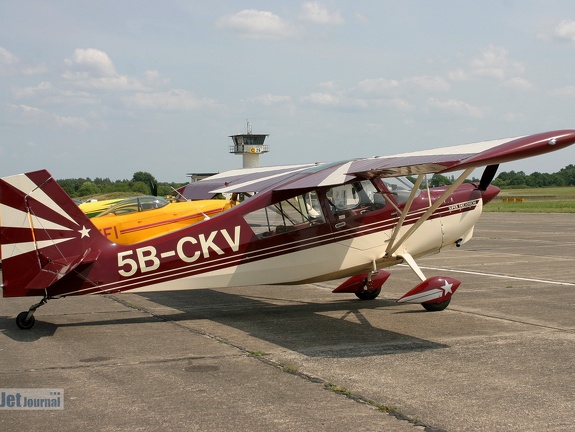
(140, 218)
(92, 208)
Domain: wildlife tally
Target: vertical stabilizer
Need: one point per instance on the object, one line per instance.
(43, 234)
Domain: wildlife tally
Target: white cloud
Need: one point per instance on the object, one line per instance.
(7, 58)
(11, 65)
(34, 116)
(93, 69)
(377, 85)
(172, 100)
(325, 99)
(455, 106)
(329, 85)
(458, 74)
(400, 95)
(494, 62)
(93, 61)
(270, 99)
(519, 83)
(255, 24)
(565, 91)
(430, 83)
(400, 104)
(118, 82)
(385, 87)
(565, 30)
(317, 13)
(34, 91)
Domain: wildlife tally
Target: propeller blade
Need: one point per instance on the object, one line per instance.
(488, 176)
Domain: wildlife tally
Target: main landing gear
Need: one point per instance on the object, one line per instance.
(365, 286)
(436, 307)
(25, 320)
(368, 295)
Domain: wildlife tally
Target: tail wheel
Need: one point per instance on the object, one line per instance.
(368, 295)
(436, 307)
(23, 322)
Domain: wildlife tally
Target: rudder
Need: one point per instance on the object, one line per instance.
(43, 234)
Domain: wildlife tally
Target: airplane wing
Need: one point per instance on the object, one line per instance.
(240, 180)
(439, 160)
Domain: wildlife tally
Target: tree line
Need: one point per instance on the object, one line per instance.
(515, 180)
(142, 183)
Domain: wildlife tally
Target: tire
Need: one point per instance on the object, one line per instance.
(22, 323)
(368, 295)
(436, 307)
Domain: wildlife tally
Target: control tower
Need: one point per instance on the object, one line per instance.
(250, 146)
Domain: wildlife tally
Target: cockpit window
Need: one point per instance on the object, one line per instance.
(301, 211)
(136, 204)
(400, 188)
(354, 198)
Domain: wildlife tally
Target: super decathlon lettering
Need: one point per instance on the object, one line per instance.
(460, 206)
(188, 249)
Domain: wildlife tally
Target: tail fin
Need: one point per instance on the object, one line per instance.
(43, 234)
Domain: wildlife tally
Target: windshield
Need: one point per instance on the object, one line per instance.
(136, 204)
(400, 188)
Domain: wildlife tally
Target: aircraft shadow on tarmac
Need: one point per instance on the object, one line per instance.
(337, 328)
(8, 328)
(333, 329)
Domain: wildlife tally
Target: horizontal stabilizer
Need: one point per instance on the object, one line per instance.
(58, 268)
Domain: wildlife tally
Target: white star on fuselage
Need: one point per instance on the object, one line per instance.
(447, 288)
(84, 231)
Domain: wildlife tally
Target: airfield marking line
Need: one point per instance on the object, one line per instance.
(497, 275)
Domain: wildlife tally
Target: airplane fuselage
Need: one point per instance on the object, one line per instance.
(225, 251)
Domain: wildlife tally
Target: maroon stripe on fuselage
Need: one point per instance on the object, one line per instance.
(271, 251)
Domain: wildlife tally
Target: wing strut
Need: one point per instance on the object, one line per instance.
(393, 246)
(406, 208)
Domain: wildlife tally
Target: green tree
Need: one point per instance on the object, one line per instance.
(439, 180)
(146, 178)
(87, 188)
(567, 175)
(140, 187)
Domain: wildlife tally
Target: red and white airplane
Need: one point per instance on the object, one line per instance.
(297, 224)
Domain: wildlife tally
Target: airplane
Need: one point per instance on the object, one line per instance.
(296, 224)
(136, 219)
(93, 208)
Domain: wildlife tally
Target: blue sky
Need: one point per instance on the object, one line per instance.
(108, 88)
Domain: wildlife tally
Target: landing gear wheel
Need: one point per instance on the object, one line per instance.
(24, 324)
(368, 295)
(436, 307)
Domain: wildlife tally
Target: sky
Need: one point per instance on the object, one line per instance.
(103, 89)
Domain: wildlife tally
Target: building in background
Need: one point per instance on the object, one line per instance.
(250, 146)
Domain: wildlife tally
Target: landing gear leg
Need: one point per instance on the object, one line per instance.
(372, 288)
(25, 320)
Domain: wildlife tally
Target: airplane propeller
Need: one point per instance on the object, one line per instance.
(487, 177)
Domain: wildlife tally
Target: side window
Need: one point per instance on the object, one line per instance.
(399, 187)
(296, 213)
(355, 198)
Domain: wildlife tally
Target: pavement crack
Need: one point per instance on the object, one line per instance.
(290, 369)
